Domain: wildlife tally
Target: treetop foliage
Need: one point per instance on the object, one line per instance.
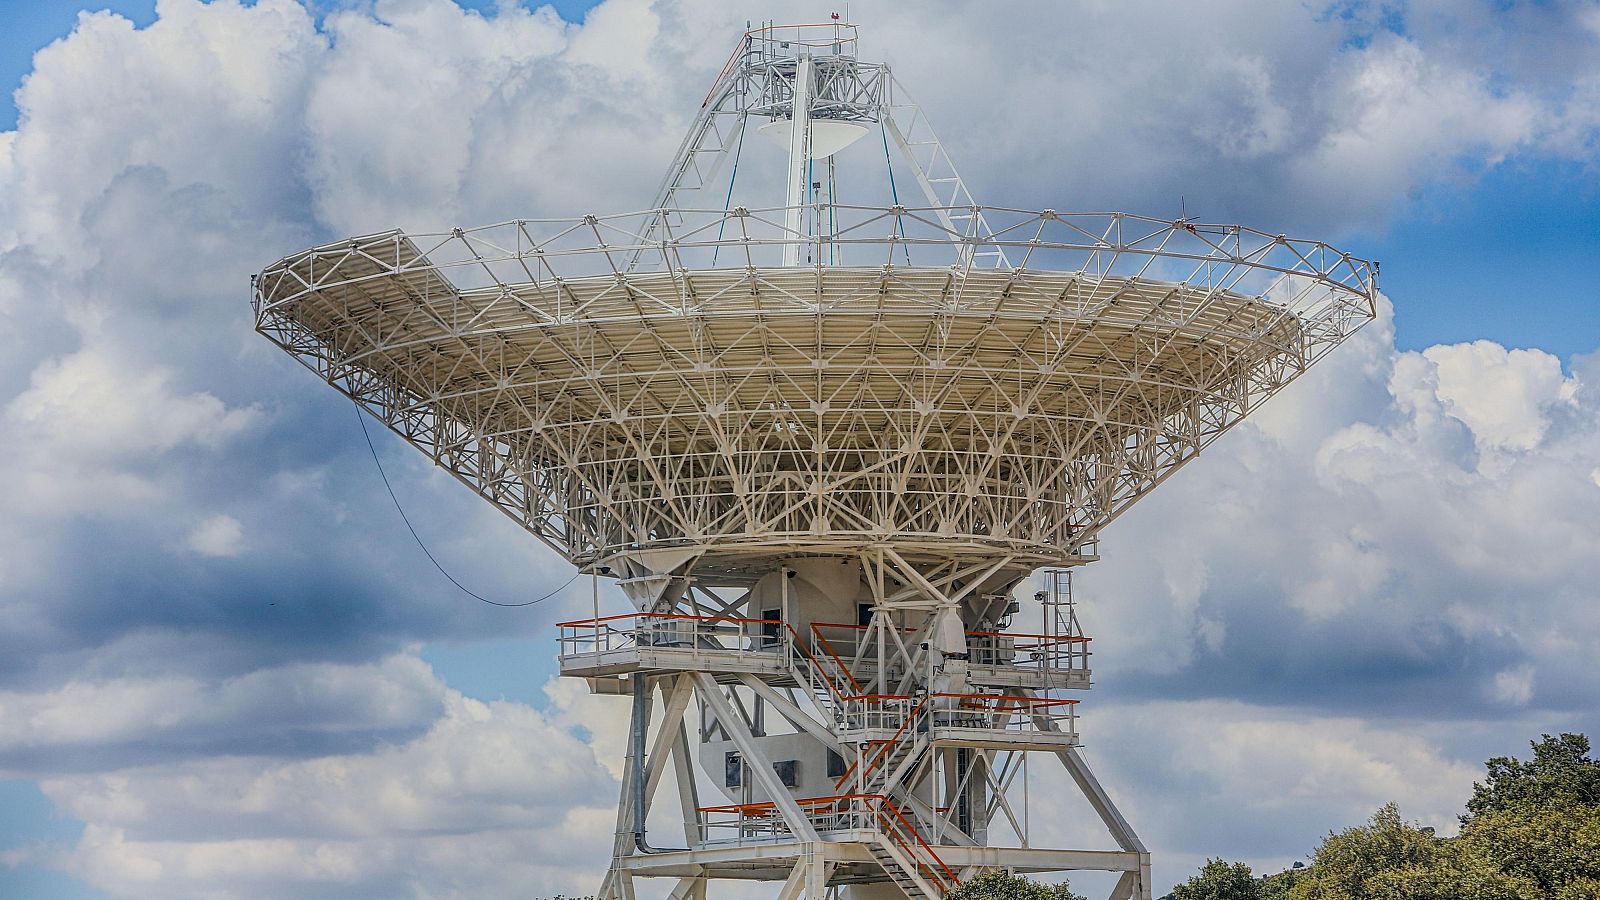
(1000, 885)
(1560, 773)
(1531, 832)
(1219, 880)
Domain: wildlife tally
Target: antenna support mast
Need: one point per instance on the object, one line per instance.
(822, 446)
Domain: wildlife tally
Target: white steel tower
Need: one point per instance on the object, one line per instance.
(821, 434)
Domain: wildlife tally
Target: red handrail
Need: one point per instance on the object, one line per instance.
(887, 812)
(744, 40)
(827, 679)
(831, 652)
(1051, 638)
(1005, 701)
(885, 802)
(576, 623)
(1010, 700)
(888, 744)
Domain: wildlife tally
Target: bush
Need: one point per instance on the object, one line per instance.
(1531, 831)
(1000, 885)
(1220, 880)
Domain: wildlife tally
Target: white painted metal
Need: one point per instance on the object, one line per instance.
(748, 412)
(820, 445)
(799, 157)
(827, 137)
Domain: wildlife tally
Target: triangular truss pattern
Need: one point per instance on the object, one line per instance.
(820, 445)
(947, 410)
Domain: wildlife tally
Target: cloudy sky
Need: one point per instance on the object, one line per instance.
(225, 670)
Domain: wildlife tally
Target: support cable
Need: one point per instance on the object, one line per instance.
(812, 222)
(425, 552)
(738, 150)
(893, 192)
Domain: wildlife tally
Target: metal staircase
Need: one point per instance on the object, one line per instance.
(878, 771)
(883, 802)
(899, 871)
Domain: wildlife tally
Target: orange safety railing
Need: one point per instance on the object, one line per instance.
(732, 633)
(991, 648)
(762, 820)
(1028, 651)
(829, 668)
(1012, 715)
(869, 761)
(875, 712)
(830, 653)
(905, 836)
(608, 633)
(842, 812)
(993, 712)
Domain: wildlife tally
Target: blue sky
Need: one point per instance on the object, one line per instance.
(31, 24)
(1459, 251)
(204, 591)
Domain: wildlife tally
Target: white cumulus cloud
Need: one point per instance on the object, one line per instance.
(1352, 598)
(453, 811)
(218, 535)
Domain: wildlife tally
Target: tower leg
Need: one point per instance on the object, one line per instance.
(816, 862)
(1132, 885)
(795, 885)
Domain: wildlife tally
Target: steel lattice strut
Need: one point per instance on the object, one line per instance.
(821, 443)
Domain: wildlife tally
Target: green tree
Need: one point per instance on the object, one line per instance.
(1220, 880)
(1560, 774)
(1392, 859)
(1531, 832)
(1350, 863)
(1553, 849)
(1000, 885)
(1277, 887)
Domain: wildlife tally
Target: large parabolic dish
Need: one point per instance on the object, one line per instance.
(821, 444)
(617, 387)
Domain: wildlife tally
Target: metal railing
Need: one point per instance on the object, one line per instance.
(820, 670)
(876, 712)
(1039, 652)
(738, 823)
(901, 833)
(1034, 652)
(1004, 714)
(741, 822)
(1311, 278)
(902, 713)
(594, 637)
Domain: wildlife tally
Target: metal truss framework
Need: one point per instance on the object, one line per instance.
(932, 786)
(762, 79)
(756, 418)
(754, 410)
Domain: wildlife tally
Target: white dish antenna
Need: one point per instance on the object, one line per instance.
(822, 446)
(827, 137)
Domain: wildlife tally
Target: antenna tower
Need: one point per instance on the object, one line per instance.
(822, 420)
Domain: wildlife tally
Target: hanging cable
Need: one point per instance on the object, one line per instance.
(414, 536)
(833, 221)
(893, 192)
(732, 177)
(811, 200)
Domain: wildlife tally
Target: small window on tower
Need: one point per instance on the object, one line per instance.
(788, 771)
(835, 765)
(732, 770)
(769, 624)
(863, 613)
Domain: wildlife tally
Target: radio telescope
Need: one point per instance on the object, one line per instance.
(821, 419)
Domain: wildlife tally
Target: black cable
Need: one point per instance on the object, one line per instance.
(414, 536)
